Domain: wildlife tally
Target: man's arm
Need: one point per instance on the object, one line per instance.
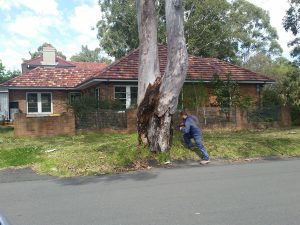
(187, 126)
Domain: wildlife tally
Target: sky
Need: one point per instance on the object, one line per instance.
(67, 24)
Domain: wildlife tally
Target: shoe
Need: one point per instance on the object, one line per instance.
(204, 162)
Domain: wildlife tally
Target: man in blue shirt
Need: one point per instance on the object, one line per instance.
(191, 130)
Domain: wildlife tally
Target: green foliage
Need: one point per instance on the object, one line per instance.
(227, 91)
(270, 96)
(295, 115)
(213, 28)
(207, 30)
(39, 52)
(117, 31)
(291, 23)
(87, 55)
(6, 75)
(2, 69)
(245, 102)
(83, 105)
(194, 95)
(286, 90)
(110, 104)
(228, 95)
(252, 30)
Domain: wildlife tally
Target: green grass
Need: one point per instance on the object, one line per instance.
(98, 153)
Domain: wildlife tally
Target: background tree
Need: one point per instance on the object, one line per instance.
(252, 31)
(158, 95)
(287, 76)
(39, 52)
(2, 69)
(207, 29)
(7, 74)
(87, 55)
(291, 23)
(213, 28)
(117, 31)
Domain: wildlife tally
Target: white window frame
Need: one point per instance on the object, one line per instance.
(39, 102)
(73, 92)
(97, 93)
(128, 93)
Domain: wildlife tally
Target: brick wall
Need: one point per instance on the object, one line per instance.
(131, 120)
(245, 90)
(44, 126)
(239, 122)
(59, 100)
(250, 90)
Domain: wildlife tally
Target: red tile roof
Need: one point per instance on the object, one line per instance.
(125, 68)
(89, 65)
(199, 68)
(47, 77)
(63, 63)
(38, 62)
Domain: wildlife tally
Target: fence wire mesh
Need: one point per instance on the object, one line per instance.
(102, 119)
(264, 114)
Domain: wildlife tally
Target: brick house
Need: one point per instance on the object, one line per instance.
(49, 82)
(46, 85)
(120, 79)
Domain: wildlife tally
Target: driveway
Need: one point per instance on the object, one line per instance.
(259, 193)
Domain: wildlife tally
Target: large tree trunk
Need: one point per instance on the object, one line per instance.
(158, 97)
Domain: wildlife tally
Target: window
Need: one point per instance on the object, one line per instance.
(73, 96)
(126, 95)
(97, 96)
(133, 96)
(39, 102)
(97, 93)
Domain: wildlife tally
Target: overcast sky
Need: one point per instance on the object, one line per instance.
(66, 24)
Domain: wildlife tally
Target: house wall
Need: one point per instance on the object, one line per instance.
(107, 91)
(245, 90)
(59, 100)
(250, 90)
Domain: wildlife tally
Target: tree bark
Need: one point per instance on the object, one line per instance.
(158, 97)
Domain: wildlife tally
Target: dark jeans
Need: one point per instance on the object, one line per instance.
(197, 137)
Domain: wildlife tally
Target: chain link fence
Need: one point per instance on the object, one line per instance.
(263, 114)
(101, 119)
(210, 117)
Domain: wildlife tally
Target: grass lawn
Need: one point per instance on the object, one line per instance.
(98, 153)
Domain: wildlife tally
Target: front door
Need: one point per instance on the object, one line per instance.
(4, 110)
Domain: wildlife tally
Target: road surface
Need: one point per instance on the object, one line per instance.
(260, 193)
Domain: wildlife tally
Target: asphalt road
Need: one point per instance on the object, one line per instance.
(260, 193)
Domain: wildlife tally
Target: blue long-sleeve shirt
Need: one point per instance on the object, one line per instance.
(191, 125)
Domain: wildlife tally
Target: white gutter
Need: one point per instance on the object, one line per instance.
(39, 88)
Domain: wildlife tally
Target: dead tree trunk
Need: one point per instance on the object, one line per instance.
(158, 96)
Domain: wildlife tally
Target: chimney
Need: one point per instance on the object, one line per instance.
(49, 56)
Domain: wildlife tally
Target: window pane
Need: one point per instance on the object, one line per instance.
(74, 96)
(46, 102)
(120, 89)
(120, 95)
(97, 93)
(122, 103)
(133, 94)
(32, 101)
